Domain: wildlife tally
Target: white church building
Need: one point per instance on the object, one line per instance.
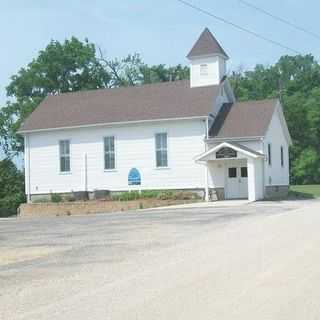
(190, 135)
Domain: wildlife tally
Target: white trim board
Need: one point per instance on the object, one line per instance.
(110, 124)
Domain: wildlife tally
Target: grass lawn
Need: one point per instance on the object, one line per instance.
(306, 191)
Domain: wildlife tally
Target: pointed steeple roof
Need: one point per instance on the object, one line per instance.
(206, 45)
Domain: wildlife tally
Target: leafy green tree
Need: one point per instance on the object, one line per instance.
(295, 80)
(304, 120)
(306, 169)
(60, 67)
(162, 73)
(11, 188)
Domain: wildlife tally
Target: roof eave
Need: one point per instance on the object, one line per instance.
(246, 152)
(244, 138)
(108, 124)
(203, 56)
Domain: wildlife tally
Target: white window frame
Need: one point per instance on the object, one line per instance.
(269, 154)
(204, 70)
(114, 153)
(64, 155)
(167, 150)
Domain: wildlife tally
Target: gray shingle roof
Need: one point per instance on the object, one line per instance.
(207, 44)
(243, 119)
(149, 102)
(241, 146)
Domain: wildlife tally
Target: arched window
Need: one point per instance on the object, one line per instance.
(134, 177)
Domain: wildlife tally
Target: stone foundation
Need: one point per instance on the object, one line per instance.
(276, 192)
(92, 206)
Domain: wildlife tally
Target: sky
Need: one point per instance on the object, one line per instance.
(161, 31)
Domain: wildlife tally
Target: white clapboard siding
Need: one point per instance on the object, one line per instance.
(135, 148)
(276, 174)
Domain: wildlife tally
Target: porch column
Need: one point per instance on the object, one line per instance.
(255, 179)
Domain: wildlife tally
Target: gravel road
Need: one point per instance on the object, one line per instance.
(251, 261)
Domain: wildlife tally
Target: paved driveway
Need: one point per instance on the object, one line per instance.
(225, 262)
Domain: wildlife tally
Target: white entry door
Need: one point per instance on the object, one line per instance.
(237, 182)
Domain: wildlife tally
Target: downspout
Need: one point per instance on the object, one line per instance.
(263, 171)
(27, 167)
(85, 172)
(207, 133)
(206, 165)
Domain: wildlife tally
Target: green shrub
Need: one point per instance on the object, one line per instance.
(40, 200)
(146, 194)
(128, 196)
(115, 197)
(10, 204)
(56, 197)
(155, 194)
(69, 198)
(11, 188)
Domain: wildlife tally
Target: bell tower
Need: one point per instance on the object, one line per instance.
(207, 61)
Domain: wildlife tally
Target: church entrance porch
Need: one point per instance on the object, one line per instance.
(233, 171)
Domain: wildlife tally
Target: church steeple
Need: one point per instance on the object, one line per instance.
(207, 61)
(206, 45)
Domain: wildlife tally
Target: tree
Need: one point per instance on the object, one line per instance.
(306, 169)
(295, 80)
(11, 188)
(60, 67)
(161, 73)
(132, 71)
(124, 72)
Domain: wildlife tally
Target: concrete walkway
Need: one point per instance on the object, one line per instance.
(211, 204)
(257, 261)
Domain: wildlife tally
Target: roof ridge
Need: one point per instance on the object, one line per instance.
(257, 101)
(160, 83)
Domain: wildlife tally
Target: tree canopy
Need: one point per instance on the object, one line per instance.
(60, 67)
(295, 80)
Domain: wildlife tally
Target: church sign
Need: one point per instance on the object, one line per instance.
(134, 177)
(225, 153)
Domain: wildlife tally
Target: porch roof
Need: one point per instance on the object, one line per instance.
(233, 145)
